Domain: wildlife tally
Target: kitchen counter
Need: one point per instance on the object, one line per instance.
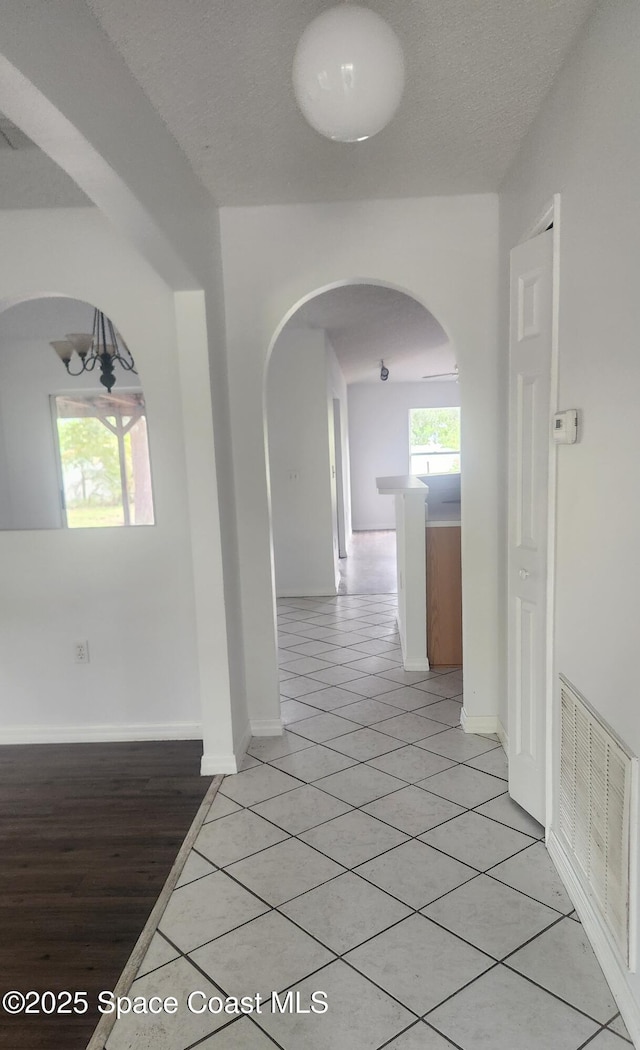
(442, 515)
(429, 618)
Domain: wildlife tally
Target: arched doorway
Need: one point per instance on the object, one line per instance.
(305, 388)
(331, 348)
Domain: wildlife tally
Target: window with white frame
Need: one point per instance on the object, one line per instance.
(103, 459)
(434, 441)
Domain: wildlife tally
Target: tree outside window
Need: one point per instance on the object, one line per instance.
(434, 441)
(103, 455)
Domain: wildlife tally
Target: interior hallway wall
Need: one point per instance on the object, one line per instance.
(338, 392)
(443, 251)
(300, 462)
(129, 592)
(586, 145)
(143, 183)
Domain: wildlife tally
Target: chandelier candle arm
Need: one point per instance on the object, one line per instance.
(103, 347)
(64, 349)
(81, 342)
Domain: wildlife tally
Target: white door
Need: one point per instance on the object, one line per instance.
(530, 341)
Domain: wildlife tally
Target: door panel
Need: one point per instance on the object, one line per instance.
(529, 438)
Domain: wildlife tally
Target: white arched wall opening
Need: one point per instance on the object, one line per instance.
(130, 592)
(136, 174)
(311, 510)
(441, 252)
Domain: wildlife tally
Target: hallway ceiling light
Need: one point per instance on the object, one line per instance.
(384, 372)
(348, 73)
(103, 347)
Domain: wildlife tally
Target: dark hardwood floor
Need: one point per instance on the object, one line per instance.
(88, 835)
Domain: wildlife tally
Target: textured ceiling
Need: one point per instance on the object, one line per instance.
(219, 74)
(29, 178)
(367, 324)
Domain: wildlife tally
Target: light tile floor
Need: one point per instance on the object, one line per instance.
(371, 853)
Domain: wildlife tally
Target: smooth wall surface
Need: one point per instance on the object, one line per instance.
(443, 251)
(129, 592)
(338, 396)
(586, 145)
(379, 440)
(300, 464)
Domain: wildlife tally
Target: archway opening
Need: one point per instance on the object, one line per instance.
(360, 379)
(73, 454)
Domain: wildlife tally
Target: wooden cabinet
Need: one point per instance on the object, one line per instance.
(444, 596)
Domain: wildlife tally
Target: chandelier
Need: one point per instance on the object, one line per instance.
(104, 347)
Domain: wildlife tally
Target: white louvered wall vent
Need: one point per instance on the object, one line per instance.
(597, 779)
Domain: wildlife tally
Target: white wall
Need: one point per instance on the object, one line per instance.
(379, 440)
(130, 592)
(586, 145)
(28, 374)
(300, 459)
(5, 492)
(443, 252)
(337, 391)
(145, 186)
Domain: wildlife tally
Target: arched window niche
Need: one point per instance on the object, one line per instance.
(73, 454)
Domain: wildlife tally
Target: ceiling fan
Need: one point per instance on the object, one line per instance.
(444, 375)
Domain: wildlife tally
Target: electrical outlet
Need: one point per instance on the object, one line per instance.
(81, 652)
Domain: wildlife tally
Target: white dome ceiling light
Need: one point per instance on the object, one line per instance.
(348, 73)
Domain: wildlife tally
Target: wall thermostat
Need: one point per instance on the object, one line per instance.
(565, 427)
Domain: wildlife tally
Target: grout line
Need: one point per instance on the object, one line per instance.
(448, 1038)
(352, 870)
(595, 1035)
(361, 603)
(554, 995)
(476, 809)
(416, 1026)
(457, 992)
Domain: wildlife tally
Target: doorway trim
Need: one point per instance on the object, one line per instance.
(549, 217)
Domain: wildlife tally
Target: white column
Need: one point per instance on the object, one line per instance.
(410, 495)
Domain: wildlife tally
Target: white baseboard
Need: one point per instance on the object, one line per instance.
(376, 528)
(240, 749)
(502, 737)
(612, 966)
(212, 765)
(266, 727)
(245, 740)
(308, 592)
(89, 734)
(415, 665)
(481, 724)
